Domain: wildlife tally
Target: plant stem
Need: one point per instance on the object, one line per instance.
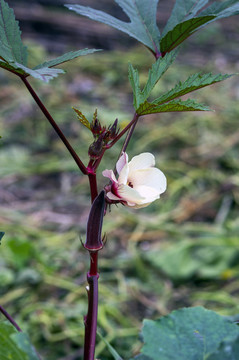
(92, 276)
(93, 185)
(131, 125)
(91, 318)
(13, 322)
(54, 125)
(130, 133)
(92, 288)
(10, 319)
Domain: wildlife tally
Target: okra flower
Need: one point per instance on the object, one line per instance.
(139, 182)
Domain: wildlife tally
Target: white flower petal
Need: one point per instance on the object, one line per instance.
(151, 177)
(121, 162)
(123, 176)
(149, 193)
(129, 194)
(139, 182)
(136, 206)
(111, 196)
(109, 174)
(142, 161)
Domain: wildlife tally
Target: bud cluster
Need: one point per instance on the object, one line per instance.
(102, 136)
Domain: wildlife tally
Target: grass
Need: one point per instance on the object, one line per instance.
(180, 251)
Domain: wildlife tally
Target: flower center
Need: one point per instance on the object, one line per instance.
(130, 184)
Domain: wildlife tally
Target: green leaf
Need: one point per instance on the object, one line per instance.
(82, 118)
(134, 81)
(189, 333)
(227, 351)
(15, 345)
(222, 9)
(155, 73)
(183, 10)
(186, 18)
(44, 74)
(142, 25)
(13, 54)
(11, 46)
(194, 82)
(23, 343)
(182, 31)
(66, 57)
(172, 106)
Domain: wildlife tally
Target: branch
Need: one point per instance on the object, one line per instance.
(55, 126)
(10, 319)
(130, 125)
(91, 318)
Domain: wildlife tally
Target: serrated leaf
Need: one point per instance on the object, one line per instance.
(194, 82)
(11, 46)
(172, 106)
(155, 73)
(186, 10)
(82, 118)
(134, 81)
(183, 10)
(66, 57)
(10, 67)
(222, 9)
(44, 74)
(189, 333)
(15, 345)
(181, 32)
(142, 25)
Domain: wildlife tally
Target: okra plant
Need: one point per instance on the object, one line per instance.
(193, 333)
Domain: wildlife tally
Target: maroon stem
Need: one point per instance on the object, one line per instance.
(10, 319)
(92, 289)
(13, 322)
(54, 125)
(93, 184)
(130, 133)
(92, 276)
(129, 126)
(91, 318)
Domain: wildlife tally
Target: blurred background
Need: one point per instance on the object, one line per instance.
(181, 251)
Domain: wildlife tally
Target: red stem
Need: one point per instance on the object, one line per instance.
(92, 276)
(91, 318)
(13, 322)
(93, 185)
(130, 125)
(130, 133)
(10, 319)
(92, 291)
(54, 125)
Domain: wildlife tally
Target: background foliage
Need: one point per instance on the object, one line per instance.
(181, 251)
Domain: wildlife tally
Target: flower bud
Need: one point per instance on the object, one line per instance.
(113, 129)
(94, 225)
(96, 147)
